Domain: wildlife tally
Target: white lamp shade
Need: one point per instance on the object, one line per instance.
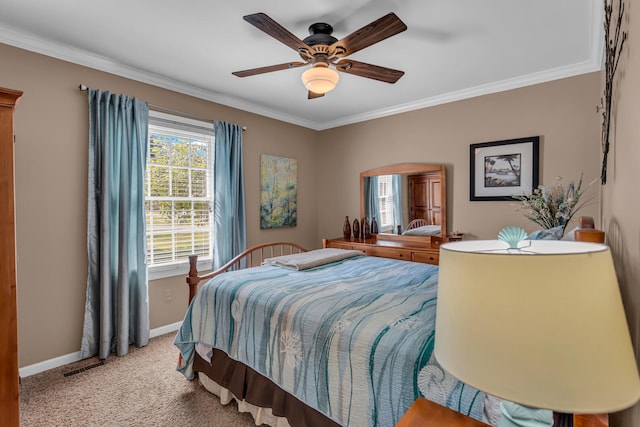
(320, 79)
(544, 327)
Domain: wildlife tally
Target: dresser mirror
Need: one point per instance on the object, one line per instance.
(417, 190)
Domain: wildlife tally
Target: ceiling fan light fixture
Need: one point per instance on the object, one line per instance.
(320, 79)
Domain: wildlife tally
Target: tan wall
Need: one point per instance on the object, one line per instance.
(621, 203)
(51, 126)
(51, 170)
(562, 113)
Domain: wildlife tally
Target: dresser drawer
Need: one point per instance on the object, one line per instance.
(426, 257)
(402, 254)
(411, 250)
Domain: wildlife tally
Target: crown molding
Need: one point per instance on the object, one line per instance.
(488, 89)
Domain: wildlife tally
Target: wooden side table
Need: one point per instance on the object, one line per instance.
(601, 420)
(425, 413)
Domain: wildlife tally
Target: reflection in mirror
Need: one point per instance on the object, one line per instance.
(383, 201)
(412, 196)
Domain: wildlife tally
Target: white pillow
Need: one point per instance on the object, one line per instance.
(426, 230)
(570, 235)
(554, 233)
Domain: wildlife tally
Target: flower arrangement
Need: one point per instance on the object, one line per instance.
(553, 207)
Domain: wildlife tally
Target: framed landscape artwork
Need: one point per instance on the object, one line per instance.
(278, 192)
(502, 169)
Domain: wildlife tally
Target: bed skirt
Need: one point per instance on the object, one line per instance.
(254, 393)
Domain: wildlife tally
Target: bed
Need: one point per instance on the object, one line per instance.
(343, 343)
(347, 343)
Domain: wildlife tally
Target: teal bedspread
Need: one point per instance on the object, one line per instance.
(352, 339)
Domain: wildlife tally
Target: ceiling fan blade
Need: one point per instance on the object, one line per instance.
(313, 95)
(265, 23)
(268, 69)
(385, 27)
(376, 72)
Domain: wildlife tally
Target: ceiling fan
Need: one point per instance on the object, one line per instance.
(323, 51)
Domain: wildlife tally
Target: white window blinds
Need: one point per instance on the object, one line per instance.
(385, 201)
(178, 189)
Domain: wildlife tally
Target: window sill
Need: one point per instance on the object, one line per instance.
(177, 269)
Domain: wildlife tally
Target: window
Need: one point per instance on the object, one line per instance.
(385, 201)
(178, 194)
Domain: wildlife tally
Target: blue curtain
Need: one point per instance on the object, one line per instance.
(396, 184)
(229, 222)
(371, 201)
(117, 299)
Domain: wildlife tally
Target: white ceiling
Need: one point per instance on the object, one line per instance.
(453, 49)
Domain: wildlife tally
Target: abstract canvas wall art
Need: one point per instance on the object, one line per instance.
(278, 192)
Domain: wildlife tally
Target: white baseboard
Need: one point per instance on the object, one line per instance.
(56, 362)
(36, 368)
(164, 329)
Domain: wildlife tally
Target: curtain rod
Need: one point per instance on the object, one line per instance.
(83, 88)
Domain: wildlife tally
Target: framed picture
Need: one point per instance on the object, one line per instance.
(278, 192)
(502, 169)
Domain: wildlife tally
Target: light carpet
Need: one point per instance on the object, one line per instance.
(140, 389)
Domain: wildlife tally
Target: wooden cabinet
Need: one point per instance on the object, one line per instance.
(407, 248)
(425, 197)
(9, 387)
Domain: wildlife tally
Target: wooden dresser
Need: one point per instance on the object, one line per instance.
(408, 248)
(9, 388)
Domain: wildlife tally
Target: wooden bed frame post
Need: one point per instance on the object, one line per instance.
(192, 278)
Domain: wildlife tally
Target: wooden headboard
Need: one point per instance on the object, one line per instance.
(251, 257)
(587, 231)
